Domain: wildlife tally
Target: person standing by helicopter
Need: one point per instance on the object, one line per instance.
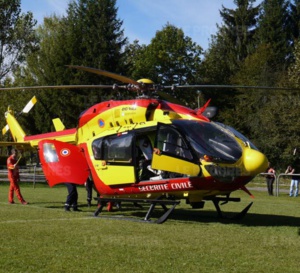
(72, 197)
(270, 178)
(294, 182)
(89, 184)
(14, 178)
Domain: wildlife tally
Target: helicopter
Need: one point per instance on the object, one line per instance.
(145, 150)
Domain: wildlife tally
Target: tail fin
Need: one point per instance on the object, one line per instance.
(16, 130)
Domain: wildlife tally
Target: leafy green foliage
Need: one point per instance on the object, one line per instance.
(170, 58)
(96, 35)
(239, 28)
(17, 37)
(228, 49)
(274, 31)
(295, 19)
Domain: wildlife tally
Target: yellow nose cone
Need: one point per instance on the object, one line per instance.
(254, 161)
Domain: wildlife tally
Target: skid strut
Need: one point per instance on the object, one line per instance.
(225, 200)
(153, 202)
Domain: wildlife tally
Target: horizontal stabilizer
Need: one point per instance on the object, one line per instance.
(18, 145)
(58, 125)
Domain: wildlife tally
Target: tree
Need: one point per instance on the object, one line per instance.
(232, 43)
(295, 19)
(255, 70)
(134, 52)
(239, 28)
(229, 47)
(274, 31)
(95, 35)
(89, 35)
(216, 67)
(170, 58)
(17, 37)
(294, 69)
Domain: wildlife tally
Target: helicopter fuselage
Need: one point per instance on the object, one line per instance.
(148, 148)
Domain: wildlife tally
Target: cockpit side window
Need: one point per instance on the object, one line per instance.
(96, 147)
(171, 142)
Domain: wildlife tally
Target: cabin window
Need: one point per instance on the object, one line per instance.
(49, 152)
(96, 147)
(116, 148)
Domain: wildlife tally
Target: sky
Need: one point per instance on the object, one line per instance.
(142, 18)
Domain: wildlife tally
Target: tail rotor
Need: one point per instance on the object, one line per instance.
(25, 110)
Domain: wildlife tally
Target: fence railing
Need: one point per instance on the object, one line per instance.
(277, 179)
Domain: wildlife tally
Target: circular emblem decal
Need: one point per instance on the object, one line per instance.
(101, 123)
(65, 152)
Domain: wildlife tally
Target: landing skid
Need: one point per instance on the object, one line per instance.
(225, 200)
(153, 202)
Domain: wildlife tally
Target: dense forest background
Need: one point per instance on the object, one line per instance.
(256, 45)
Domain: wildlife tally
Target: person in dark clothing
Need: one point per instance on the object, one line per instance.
(72, 197)
(89, 184)
(270, 179)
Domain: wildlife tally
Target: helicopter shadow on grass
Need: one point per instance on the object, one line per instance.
(250, 219)
(46, 204)
(191, 216)
(207, 217)
(52, 205)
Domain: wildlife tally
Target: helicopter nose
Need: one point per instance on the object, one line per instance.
(255, 162)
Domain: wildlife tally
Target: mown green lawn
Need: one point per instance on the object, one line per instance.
(41, 237)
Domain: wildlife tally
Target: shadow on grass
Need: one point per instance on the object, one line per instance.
(201, 216)
(250, 219)
(189, 215)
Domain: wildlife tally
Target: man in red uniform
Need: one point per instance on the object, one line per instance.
(14, 178)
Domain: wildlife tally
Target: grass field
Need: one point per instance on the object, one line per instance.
(41, 237)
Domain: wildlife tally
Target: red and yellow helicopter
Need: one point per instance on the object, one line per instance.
(146, 150)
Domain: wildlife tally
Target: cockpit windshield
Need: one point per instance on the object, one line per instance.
(239, 135)
(206, 138)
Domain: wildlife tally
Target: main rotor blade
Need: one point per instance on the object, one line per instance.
(5, 129)
(58, 87)
(29, 105)
(230, 86)
(105, 73)
(170, 98)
